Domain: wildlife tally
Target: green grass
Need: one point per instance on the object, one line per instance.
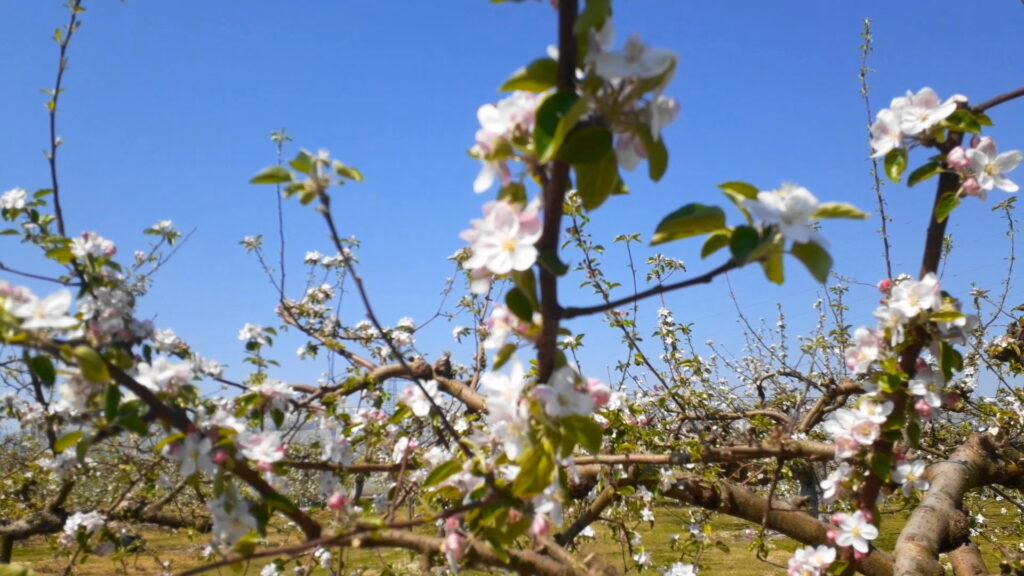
(734, 557)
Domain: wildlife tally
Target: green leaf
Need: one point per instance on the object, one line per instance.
(742, 243)
(657, 153)
(272, 175)
(690, 220)
(61, 254)
(738, 193)
(595, 182)
(442, 472)
(520, 305)
(924, 172)
(537, 76)
(772, 265)
(535, 468)
(549, 259)
(715, 242)
(67, 441)
(962, 120)
(586, 145)
(556, 117)
(91, 364)
(503, 355)
(895, 164)
(111, 401)
(950, 360)
(946, 316)
(302, 162)
(945, 206)
(347, 172)
(584, 431)
(741, 189)
(513, 192)
(914, 434)
(815, 258)
(880, 464)
(592, 17)
(838, 210)
(43, 368)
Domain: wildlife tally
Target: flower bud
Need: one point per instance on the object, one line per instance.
(858, 555)
(957, 159)
(831, 536)
(971, 187)
(923, 409)
(337, 501)
(884, 285)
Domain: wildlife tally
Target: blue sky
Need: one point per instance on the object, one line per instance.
(169, 106)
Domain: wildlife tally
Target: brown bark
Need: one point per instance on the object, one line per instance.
(937, 525)
(780, 516)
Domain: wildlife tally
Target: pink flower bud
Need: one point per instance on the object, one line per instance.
(599, 392)
(884, 285)
(220, 457)
(453, 546)
(957, 158)
(540, 525)
(971, 187)
(831, 536)
(836, 518)
(867, 515)
(451, 523)
(923, 409)
(337, 501)
(514, 515)
(951, 401)
(858, 555)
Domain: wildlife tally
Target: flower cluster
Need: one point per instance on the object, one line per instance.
(981, 168)
(502, 241)
(811, 561)
(909, 117)
(501, 124)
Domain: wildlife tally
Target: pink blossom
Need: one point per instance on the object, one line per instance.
(503, 240)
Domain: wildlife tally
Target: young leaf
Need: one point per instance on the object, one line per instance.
(690, 220)
(924, 172)
(556, 116)
(838, 210)
(715, 242)
(595, 182)
(815, 258)
(67, 441)
(91, 364)
(586, 145)
(43, 368)
(657, 153)
(272, 175)
(584, 431)
(442, 472)
(895, 164)
(537, 76)
(947, 203)
(347, 172)
(520, 305)
(742, 243)
(772, 265)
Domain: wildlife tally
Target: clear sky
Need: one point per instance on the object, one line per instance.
(169, 105)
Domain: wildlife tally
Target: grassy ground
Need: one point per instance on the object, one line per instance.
(734, 556)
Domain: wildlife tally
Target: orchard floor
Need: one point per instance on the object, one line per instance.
(733, 555)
